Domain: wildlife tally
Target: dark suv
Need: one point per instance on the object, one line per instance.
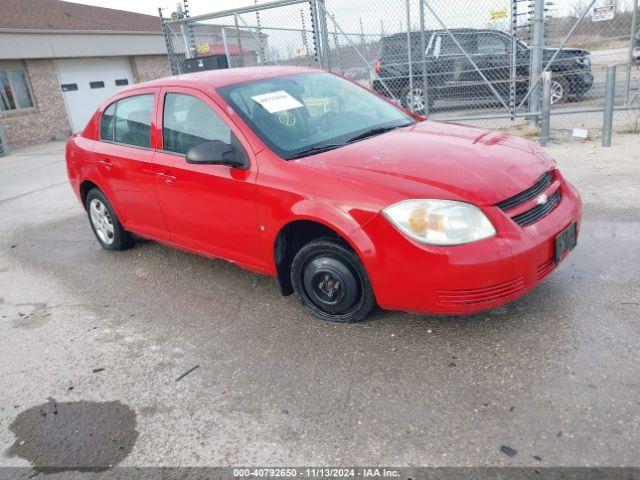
(450, 75)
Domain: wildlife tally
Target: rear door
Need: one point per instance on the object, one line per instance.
(453, 70)
(124, 159)
(493, 57)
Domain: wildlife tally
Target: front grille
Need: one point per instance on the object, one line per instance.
(481, 295)
(540, 186)
(539, 211)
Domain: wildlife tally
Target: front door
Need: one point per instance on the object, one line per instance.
(209, 209)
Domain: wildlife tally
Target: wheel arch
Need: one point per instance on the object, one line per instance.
(85, 187)
(301, 230)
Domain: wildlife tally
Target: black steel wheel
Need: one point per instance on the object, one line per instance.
(331, 282)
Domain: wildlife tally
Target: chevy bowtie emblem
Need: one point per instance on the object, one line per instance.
(542, 199)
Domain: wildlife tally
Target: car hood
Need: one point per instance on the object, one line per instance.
(439, 160)
(548, 52)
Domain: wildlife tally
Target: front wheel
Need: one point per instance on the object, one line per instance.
(331, 282)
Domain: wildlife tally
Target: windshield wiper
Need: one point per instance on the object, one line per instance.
(375, 131)
(316, 149)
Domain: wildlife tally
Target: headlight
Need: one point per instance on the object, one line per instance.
(440, 222)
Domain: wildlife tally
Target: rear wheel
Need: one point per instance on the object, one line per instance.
(105, 224)
(413, 99)
(559, 90)
(331, 282)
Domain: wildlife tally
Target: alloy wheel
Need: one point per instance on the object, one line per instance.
(414, 100)
(557, 91)
(101, 221)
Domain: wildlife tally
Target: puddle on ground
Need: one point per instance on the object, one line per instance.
(87, 436)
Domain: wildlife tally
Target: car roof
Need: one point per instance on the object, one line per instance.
(223, 77)
(415, 33)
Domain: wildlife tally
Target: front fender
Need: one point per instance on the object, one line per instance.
(347, 223)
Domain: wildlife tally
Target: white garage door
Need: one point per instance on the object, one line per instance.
(87, 82)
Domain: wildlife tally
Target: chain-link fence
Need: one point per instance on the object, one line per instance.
(480, 62)
(280, 35)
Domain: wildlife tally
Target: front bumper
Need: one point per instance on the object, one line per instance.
(467, 278)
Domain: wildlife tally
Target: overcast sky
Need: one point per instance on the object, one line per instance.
(349, 13)
(150, 7)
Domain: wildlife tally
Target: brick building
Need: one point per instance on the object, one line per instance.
(60, 60)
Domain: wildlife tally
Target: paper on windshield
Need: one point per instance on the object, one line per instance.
(277, 101)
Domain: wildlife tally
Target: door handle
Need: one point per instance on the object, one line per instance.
(166, 177)
(106, 163)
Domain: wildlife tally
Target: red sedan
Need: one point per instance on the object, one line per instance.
(347, 199)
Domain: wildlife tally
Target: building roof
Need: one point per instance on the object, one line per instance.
(59, 15)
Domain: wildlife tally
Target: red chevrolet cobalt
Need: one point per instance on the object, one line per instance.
(347, 199)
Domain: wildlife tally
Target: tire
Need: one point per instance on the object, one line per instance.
(104, 222)
(405, 100)
(331, 282)
(559, 84)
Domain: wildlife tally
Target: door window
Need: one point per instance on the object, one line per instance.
(448, 46)
(106, 123)
(188, 121)
(133, 120)
(491, 44)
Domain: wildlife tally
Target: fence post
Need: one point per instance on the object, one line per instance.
(167, 32)
(225, 44)
(609, 95)
(409, 59)
(315, 32)
(336, 46)
(423, 56)
(263, 54)
(627, 83)
(514, 58)
(324, 35)
(537, 38)
(305, 42)
(545, 120)
(239, 41)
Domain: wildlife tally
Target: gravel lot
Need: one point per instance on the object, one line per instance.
(101, 338)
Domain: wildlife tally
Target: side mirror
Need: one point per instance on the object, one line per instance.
(217, 152)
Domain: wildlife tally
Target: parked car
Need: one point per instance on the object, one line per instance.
(450, 75)
(351, 205)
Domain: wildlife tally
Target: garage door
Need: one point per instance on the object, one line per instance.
(87, 82)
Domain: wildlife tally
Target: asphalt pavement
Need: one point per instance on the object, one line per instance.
(180, 360)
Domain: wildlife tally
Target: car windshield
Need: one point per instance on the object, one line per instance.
(298, 115)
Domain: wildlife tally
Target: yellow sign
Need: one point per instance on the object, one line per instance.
(299, 51)
(498, 14)
(203, 47)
